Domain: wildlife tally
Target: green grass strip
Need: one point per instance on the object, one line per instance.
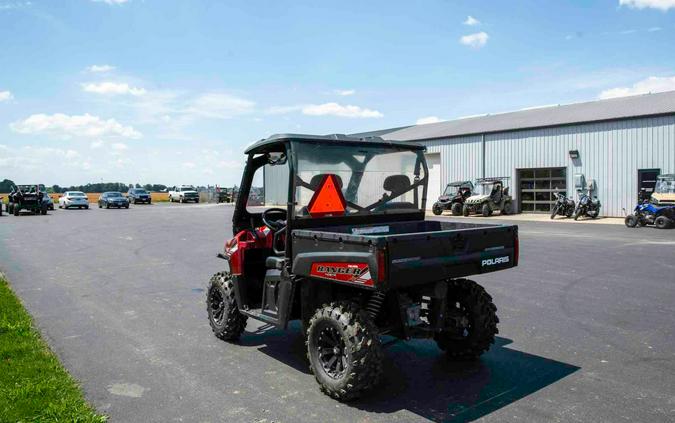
(34, 387)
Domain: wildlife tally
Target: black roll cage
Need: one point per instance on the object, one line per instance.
(257, 157)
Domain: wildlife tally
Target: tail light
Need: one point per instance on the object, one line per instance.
(381, 265)
(516, 251)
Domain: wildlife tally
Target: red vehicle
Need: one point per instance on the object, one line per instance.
(352, 258)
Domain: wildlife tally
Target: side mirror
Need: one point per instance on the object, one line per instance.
(275, 158)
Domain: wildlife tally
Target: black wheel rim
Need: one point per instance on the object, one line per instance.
(217, 306)
(330, 349)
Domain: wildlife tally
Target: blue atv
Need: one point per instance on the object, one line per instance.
(650, 214)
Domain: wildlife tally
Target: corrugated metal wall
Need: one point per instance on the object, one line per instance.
(610, 152)
(461, 159)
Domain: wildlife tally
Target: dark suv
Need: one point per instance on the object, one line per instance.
(139, 195)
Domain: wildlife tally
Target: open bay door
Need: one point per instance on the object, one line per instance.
(434, 190)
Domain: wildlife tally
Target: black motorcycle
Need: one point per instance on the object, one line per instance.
(587, 207)
(563, 206)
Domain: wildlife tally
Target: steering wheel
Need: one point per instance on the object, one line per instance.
(275, 224)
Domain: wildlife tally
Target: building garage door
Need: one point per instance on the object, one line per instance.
(434, 187)
(536, 188)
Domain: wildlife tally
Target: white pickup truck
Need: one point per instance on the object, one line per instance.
(183, 194)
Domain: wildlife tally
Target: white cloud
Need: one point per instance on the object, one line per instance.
(653, 84)
(100, 68)
(471, 21)
(96, 144)
(282, 110)
(14, 5)
(113, 88)
(110, 1)
(119, 146)
(65, 126)
(5, 96)
(654, 29)
(663, 5)
(335, 109)
(344, 93)
(189, 165)
(219, 106)
(476, 40)
(428, 119)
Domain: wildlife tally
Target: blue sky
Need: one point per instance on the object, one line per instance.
(163, 91)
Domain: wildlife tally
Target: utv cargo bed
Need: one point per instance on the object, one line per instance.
(406, 254)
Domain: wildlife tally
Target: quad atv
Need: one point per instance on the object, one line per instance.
(493, 197)
(453, 198)
(27, 197)
(352, 258)
(650, 214)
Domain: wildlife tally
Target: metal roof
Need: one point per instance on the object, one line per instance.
(268, 144)
(592, 111)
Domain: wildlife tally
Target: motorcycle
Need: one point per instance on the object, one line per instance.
(563, 206)
(649, 214)
(587, 207)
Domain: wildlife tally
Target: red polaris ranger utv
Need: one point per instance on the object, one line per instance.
(351, 256)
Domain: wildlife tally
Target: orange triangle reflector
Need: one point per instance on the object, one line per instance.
(327, 199)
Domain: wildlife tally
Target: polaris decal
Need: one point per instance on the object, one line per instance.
(358, 273)
(495, 261)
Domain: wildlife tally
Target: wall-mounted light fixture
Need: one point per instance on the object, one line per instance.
(574, 154)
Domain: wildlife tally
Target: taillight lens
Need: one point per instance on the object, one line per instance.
(381, 265)
(516, 251)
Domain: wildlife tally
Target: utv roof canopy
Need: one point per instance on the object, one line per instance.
(275, 142)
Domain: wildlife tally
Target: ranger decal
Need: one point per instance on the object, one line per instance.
(358, 273)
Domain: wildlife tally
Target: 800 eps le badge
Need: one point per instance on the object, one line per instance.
(343, 272)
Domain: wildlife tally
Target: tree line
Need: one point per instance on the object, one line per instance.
(6, 186)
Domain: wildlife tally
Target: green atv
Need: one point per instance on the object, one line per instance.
(494, 196)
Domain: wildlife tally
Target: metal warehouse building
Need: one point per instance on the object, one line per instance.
(620, 144)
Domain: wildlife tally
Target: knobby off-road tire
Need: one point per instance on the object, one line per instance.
(631, 221)
(16, 209)
(507, 208)
(477, 306)
(465, 211)
(456, 209)
(486, 211)
(344, 351)
(437, 209)
(224, 317)
(662, 222)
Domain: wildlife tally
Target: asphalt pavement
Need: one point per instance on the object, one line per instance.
(587, 330)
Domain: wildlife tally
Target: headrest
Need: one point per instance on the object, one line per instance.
(396, 183)
(316, 180)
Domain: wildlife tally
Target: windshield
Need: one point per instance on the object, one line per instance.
(665, 186)
(372, 179)
(450, 190)
(140, 191)
(186, 189)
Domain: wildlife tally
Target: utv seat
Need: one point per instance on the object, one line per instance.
(496, 194)
(396, 185)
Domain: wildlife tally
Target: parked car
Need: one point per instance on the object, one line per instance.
(27, 197)
(493, 196)
(74, 199)
(139, 195)
(183, 194)
(113, 199)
